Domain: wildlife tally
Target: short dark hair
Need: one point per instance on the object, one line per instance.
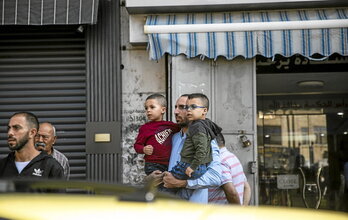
(202, 97)
(31, 119)
(220, 140)
(160, 98)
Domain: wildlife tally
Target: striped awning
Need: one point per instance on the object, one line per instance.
(48, 12)
(265, 42)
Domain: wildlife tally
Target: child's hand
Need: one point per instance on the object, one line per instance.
(188, 171)
(148, 150)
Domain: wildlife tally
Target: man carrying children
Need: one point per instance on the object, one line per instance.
(196, 153)
(213, 175)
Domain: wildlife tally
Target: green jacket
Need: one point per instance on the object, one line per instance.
(197, 148)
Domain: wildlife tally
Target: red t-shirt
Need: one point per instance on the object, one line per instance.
(159, 135)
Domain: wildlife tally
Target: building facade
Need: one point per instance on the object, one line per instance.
(275, 81)
(275, 72)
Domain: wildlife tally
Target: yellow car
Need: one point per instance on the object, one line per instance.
(125, 203)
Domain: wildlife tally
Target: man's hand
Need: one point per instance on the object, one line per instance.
(188, 171)
(171, 182)
(148, 150)
(156, 176)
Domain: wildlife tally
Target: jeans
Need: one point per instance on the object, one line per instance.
(179, 169)
(178, 172)
(150, 167)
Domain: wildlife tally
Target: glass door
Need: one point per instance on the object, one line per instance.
(293, 151)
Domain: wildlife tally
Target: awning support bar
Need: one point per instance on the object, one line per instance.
(251, 26)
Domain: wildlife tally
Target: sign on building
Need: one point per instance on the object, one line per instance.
(287, 182)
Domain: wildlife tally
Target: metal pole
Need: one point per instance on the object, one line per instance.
(249, 26)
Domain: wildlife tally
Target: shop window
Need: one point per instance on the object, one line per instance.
(304, 136)
(272, 135)
(320, 135)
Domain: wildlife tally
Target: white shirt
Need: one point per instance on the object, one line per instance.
(20, 165)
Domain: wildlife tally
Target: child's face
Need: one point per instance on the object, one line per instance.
(154, 111)
(196, 110)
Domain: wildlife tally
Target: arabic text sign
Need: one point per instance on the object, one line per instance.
(301, 64)
(306, 104)
(287, 182)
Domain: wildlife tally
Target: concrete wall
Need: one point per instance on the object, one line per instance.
(140, 78)
(231, 88)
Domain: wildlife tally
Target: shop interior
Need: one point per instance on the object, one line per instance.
(302, 126)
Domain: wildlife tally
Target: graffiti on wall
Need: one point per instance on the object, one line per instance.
(133, 117)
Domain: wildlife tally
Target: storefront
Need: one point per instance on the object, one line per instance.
(280, 87)
(276, 77)
(302, 131)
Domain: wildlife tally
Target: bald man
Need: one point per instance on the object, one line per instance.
(45, 139)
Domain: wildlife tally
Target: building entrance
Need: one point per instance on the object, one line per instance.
(302, 138)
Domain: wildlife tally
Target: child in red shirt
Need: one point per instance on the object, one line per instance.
(155, 137)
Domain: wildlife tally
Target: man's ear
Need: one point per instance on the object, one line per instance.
(54, 140)
(32, 133)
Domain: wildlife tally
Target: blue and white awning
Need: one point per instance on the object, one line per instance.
(321, 38)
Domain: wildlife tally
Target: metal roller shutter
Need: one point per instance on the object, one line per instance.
(43, 70)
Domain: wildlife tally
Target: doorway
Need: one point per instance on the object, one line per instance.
(301, 134)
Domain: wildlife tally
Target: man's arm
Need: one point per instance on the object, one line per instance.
(211, 178)
(231, 193)
(171, 182)
(228, 187)
(247, 193)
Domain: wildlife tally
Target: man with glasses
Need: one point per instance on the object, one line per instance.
(213, 175)
(25, 161)
(45, 139)
(196, 153)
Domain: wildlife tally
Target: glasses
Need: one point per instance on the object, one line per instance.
(181, 107)
(193, 107)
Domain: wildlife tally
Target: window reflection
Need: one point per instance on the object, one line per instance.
(297, 144)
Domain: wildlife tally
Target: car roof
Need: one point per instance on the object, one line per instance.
(72, 206)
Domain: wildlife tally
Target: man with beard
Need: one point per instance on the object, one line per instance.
(25, 161)
(44, 141)
(211, 178)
